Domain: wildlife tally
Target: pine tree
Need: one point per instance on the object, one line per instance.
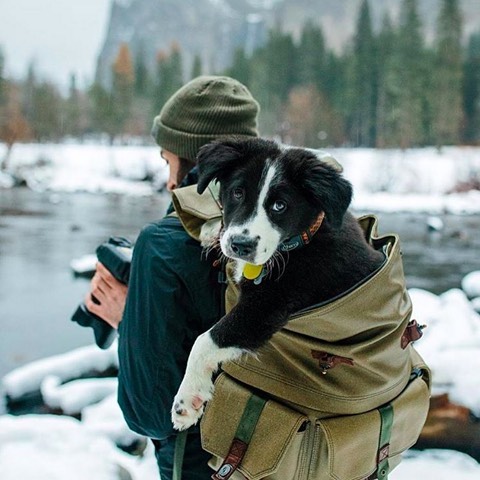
(272, 76)
(46, 112)
(162, 79)
(73, 111)
(311, 57)
(176, 70)
(28, 93)
(103, 111)
(447, 98)
(335, 82)
(240, 68)
(142, 80)
(471, 90)
(387, 87)
(364, 86)
(406, 79)
(168, 77)
(196, 67)
(122, 88)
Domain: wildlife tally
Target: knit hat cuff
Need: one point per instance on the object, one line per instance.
(186, 144)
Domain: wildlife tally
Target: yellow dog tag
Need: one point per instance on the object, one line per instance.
(251, 272)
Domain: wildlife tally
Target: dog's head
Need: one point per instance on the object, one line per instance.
(269, 194)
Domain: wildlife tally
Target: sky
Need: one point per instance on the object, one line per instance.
(60, 36)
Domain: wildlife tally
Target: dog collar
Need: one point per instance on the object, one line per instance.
(304, 238)
(258, 272)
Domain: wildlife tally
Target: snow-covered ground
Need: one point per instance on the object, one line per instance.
(384, 180)
(57, 447)
(70, 167)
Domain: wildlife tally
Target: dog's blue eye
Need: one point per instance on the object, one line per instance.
(238, 193)
(279, 206)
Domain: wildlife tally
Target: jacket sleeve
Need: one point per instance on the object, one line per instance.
(171, 300)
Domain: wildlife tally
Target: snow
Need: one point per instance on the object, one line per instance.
(73, 396)
(450, 344)
(66, 366)
(88, 168)
(417, 180)
(438, 465)
(59, 447)
(471, 284)
(84, 264)
(47, 447)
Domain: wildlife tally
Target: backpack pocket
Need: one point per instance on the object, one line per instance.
(287, 445)
(352, 448)
(276, 431)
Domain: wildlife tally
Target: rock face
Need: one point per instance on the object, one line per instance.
(209, 28)
(214, 28)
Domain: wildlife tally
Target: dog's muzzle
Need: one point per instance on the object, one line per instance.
(243, 247)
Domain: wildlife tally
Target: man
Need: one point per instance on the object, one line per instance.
(173, 293)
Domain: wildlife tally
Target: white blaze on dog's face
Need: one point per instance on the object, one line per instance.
(256, 237)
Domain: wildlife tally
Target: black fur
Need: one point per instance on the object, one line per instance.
(337, 258)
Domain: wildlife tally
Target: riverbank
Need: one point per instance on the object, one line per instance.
(94, 443)
(414, 180)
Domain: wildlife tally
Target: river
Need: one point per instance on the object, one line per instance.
(40, 233)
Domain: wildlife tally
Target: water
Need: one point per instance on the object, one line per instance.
(40, 233)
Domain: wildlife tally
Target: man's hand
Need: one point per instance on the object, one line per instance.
(106, 297)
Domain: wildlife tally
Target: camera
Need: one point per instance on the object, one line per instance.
(116, 256)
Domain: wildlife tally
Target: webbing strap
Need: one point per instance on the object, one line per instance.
(249, 419)
(178, 455)
(243, 435)
(386, 422)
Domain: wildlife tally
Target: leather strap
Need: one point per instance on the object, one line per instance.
(243, 435)
(386, 422)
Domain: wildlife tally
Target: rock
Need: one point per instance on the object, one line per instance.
(450, 426)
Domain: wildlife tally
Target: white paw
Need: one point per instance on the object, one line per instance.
(189, 403)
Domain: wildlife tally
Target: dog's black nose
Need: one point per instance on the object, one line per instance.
(242, 246)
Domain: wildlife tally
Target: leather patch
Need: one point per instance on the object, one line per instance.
(412, 333)
(327, 361)
(383, 453)
(232, 460)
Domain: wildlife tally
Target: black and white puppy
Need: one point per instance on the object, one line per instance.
(275, 199)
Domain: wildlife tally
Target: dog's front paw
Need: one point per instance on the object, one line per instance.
(189, 404)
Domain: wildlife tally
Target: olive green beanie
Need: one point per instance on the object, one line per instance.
(204, 109)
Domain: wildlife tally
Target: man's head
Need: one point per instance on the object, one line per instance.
(205, 109)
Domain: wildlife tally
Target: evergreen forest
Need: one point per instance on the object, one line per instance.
(387, 88)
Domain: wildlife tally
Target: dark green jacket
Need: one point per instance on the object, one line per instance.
(173, 297)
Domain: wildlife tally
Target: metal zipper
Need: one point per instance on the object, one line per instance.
(315, 450)
(305, 461)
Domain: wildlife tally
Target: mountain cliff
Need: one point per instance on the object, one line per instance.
(213, 29)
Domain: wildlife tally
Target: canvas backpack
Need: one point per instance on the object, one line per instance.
(338, 394)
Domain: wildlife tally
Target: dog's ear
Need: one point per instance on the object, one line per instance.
(214, 160)
(328, 189)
